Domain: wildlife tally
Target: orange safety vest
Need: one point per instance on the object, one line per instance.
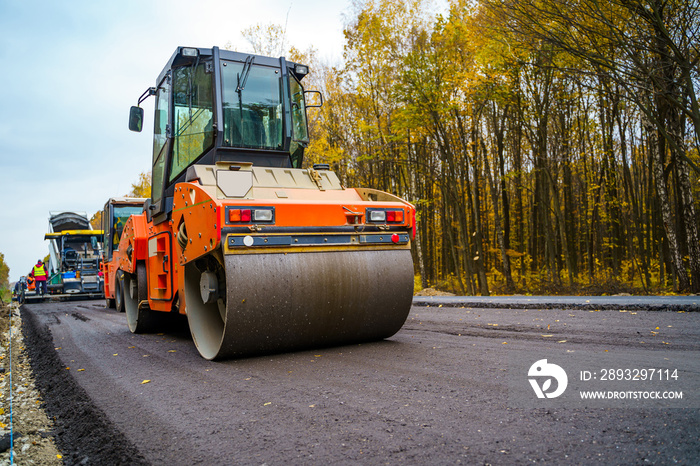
(39, 271)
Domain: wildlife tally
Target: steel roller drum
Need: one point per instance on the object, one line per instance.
(283, 302)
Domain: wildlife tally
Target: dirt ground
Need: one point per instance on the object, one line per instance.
(22, 406)
(433, 292)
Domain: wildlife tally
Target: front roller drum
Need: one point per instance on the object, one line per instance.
(283, 302)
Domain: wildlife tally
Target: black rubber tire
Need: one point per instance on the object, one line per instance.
(135, 292)
(119, 291)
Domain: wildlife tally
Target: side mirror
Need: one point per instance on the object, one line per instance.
(136, 119)
(313, 102)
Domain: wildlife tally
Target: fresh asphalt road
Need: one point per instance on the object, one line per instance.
(435, 393)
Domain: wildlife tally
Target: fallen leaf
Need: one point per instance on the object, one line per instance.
(59, 456)
(547, 336)
(312, 406)
(145, 381)
(268, 403)
(80, 370)
(561, 341)
(115, 354)
(505, 343)
(172, 351)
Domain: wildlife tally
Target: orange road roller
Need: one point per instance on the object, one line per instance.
(262, 255)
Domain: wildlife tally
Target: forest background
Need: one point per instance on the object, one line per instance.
(549, 147)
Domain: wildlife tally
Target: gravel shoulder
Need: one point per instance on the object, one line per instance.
(22, 405)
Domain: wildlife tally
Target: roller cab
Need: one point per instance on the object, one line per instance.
(115, 214)
(261, 254)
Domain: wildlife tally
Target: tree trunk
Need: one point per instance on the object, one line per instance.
(505, 260)
(662, 192)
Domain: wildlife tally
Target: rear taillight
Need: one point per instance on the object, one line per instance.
(394, 216)
(250, 215)
(385, 216)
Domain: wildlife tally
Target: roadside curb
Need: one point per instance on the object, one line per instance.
(586, 303)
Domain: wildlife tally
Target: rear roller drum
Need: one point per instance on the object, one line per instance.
(135, 295)
(265, 303)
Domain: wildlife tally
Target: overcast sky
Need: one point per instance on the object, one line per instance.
(69, 71)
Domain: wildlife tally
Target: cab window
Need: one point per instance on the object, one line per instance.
(160, 137)
(252, 103)
(299, 124)
(193, 133)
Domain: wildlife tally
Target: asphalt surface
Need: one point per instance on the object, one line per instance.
(435, 393)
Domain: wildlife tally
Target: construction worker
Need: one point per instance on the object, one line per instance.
(16, 290)
(40, 275)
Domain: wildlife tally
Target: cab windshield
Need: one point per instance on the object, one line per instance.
(121, 215)
(252, 104)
